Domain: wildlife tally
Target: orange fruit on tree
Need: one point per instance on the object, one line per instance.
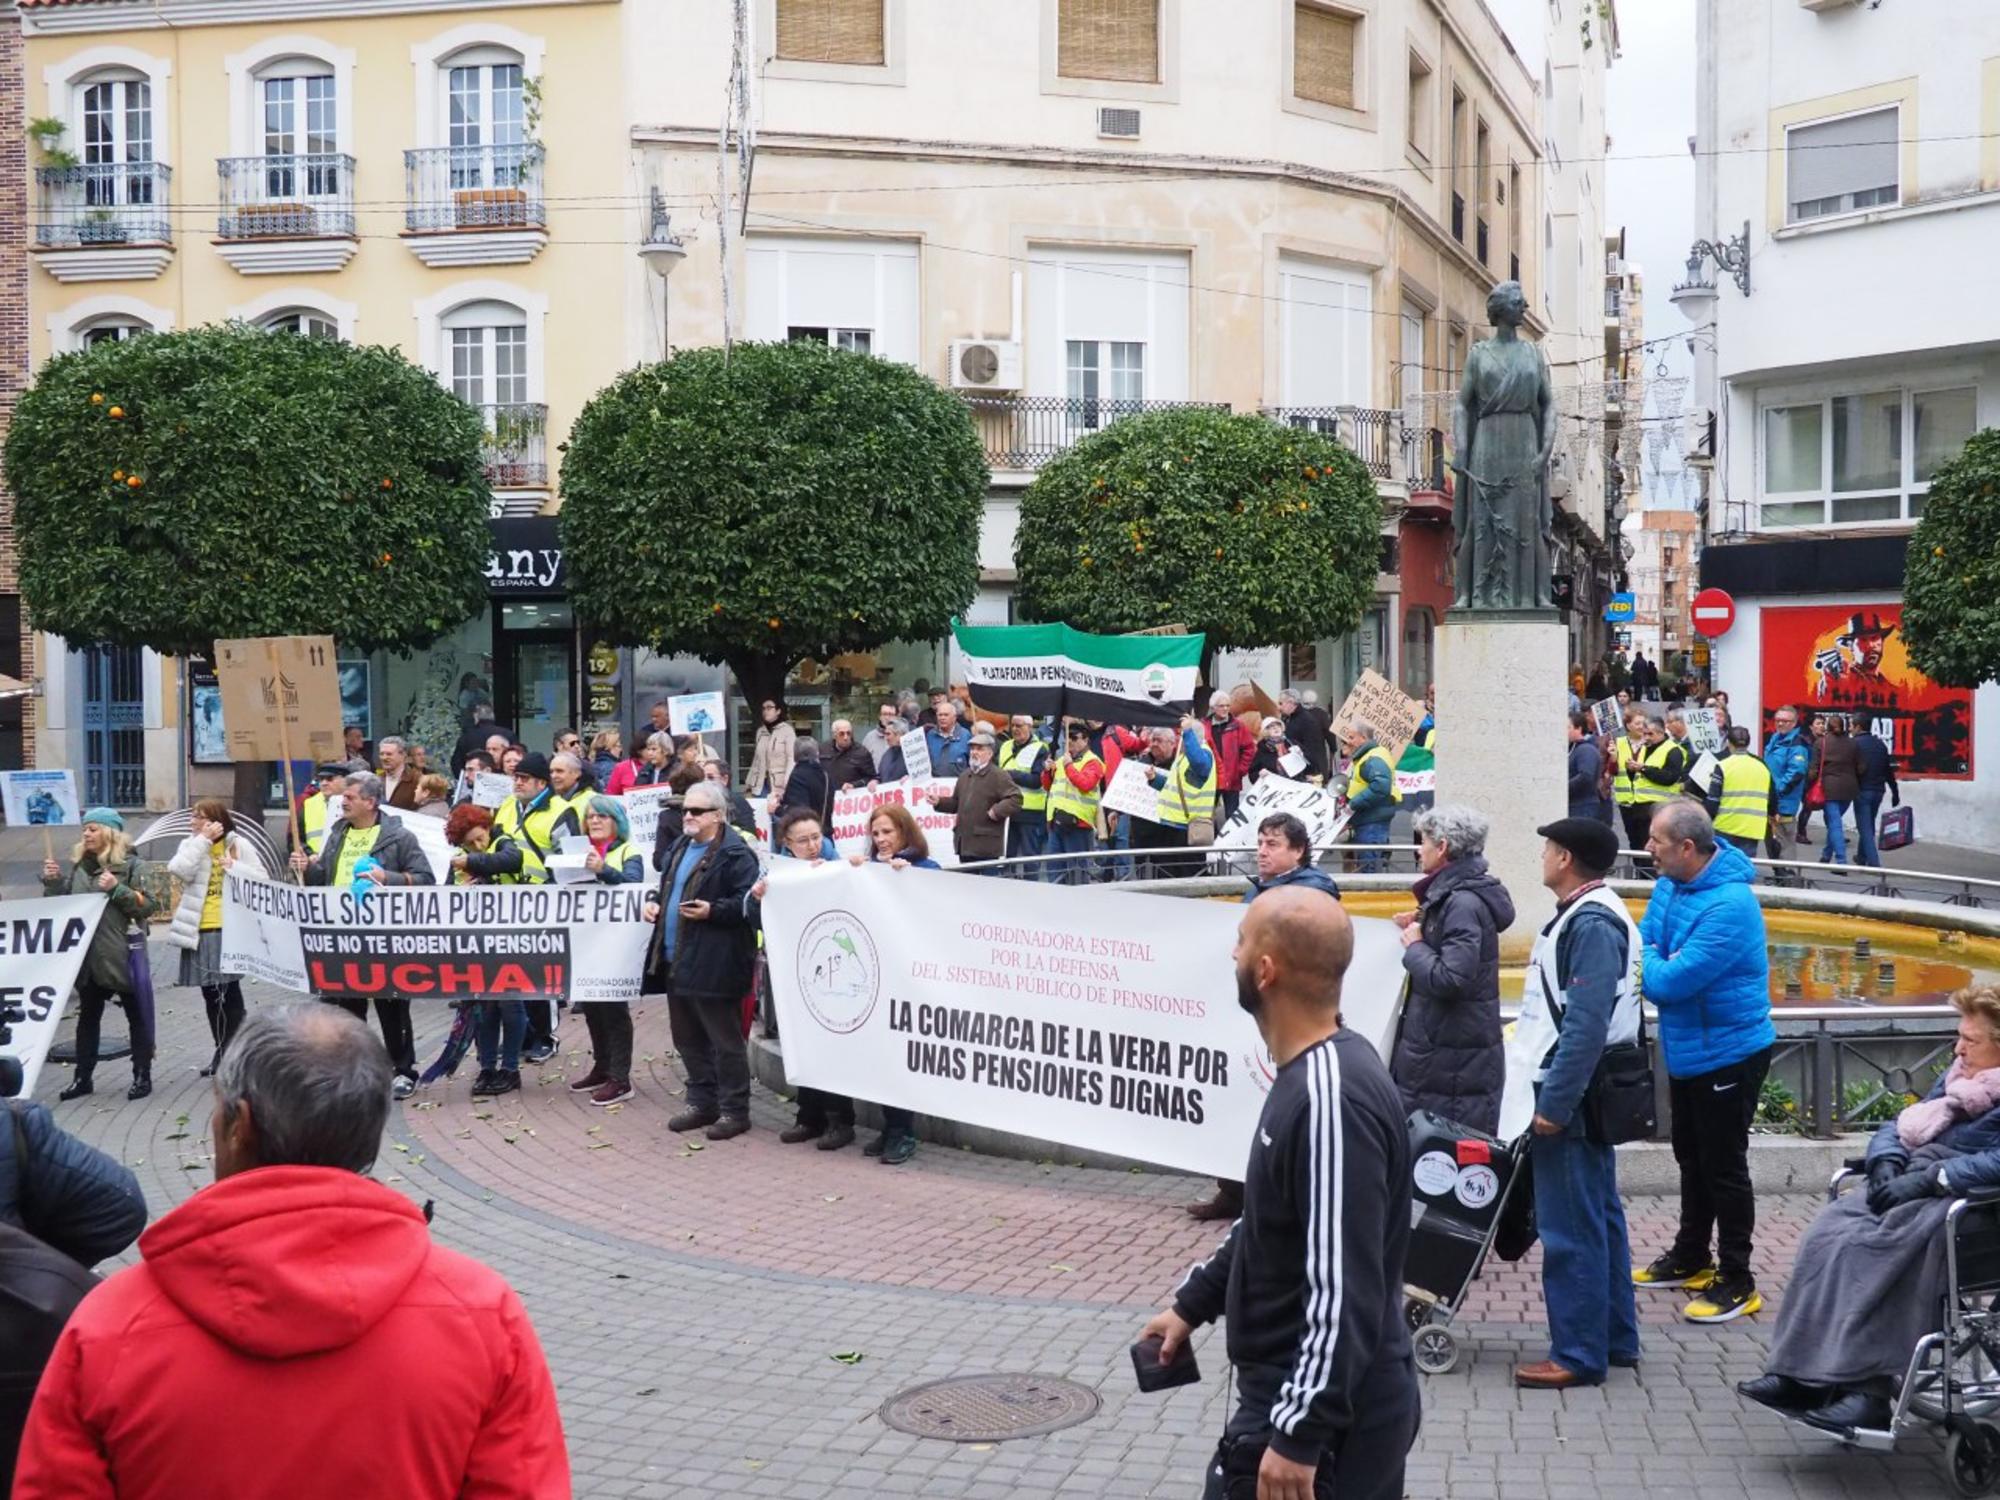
(117, 473)
(134, 482)
(117, 413)
(388, 484)
(97, 398)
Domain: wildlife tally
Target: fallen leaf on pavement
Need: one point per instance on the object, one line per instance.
(847, 1357)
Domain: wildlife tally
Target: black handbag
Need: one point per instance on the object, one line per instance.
(1620, 1105)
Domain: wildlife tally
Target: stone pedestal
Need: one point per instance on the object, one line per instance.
(1502, 703)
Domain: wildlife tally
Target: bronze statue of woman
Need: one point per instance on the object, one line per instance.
(1503, 436)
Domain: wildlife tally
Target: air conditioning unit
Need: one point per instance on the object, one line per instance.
(1122, 124)
(985, 365)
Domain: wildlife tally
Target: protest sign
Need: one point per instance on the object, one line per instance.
(1130, 792)
(1702, 772)
(42, 945)
(280, 697)
(1293, 762)
(643, 805)
(491, 788)
(439, 942)
(1604, 718)
(696, 713)
(1094, 1018)
(1052, 671)
(1317, 808)
(429, 834)
(39, 799)
(1379, 701)
(916, 748)
(1704, 727)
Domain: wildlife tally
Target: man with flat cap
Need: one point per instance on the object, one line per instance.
(1311, 1277)
(1580, 997)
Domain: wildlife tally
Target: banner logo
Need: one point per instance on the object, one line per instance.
(1154, 680)
(840, 975)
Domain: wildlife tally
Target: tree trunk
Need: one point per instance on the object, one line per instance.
(247, 794)
(760, 676)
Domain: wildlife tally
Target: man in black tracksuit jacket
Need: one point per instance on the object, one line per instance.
(1311, 1277)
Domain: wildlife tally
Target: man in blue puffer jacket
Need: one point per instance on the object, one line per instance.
(1788, 753)
(1708, 973)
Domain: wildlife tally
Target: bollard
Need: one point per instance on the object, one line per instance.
(1885, 977)
(1862, 948)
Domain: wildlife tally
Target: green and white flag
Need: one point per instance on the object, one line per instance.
(1051, 670)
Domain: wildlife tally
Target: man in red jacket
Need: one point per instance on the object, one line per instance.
(292, 1331)
(1234, 746)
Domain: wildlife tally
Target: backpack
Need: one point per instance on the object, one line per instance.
(39, 1289)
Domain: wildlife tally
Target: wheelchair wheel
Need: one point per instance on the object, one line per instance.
(1972, 1454)
(1436, 1349)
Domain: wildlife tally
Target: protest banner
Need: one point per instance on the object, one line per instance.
(1317, 808)
(916, 748)
(40, 799)
(1095, 1018)
(1605, 720)
(853, 808)
(42, 945)
(696, 713)
(1052, 671)
(1394, 716)
(578, 943)
(1130, 792)
(1704, 727)
(280, 697)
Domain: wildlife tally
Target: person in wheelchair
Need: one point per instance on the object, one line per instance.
(1870, 1272)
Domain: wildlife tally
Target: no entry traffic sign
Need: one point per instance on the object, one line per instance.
(1714, 613)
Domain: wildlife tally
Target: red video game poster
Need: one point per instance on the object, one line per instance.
(1852, 660)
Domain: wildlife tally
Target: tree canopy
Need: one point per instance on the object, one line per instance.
(1951, 574)
(177, 488)
(1253, 532)
(778, 502)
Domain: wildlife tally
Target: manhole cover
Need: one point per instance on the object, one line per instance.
(987, 1408)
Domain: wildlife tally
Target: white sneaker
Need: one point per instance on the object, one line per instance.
(403, 1087)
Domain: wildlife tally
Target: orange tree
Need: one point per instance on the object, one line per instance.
(177, 488)
(1254, 533)
(774, 503)
(1951, 573)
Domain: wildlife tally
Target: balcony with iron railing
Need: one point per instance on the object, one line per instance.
(286, 213)
(1370, 435)
(474, 205)
(515, 449)
(106, 220)
(1025, 432)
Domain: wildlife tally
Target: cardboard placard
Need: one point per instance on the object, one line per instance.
(1379, 701)
(1604, 714)
(1704, 729)
(491, 788)
(916, 748)
(280, 697)
(1131, 793)
(1702, 772)
(40, 799)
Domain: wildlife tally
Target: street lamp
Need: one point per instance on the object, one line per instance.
(662, 250)
(1695, 297)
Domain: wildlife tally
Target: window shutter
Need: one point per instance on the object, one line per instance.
(1117, 40)
(1323, 55)
(831, 31)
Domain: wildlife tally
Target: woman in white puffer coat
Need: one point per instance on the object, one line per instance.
(213, 847)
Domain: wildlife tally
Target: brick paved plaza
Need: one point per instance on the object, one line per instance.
(691, 1300)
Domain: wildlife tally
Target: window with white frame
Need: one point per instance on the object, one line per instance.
(853, 340)
(1843, 166)
(110, 331)
(116, 118)
(1860, 459)
(301, 320)
(486, 355)
(485, 118)
(1104, 371)
(299, 129)
(1326, 334)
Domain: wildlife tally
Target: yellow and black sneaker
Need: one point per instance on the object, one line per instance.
(1668, 1272)
(1724, 1301)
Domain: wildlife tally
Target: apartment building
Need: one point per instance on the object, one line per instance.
(1074, 209)
(1851, 154)
(446, 178)
(17, 667)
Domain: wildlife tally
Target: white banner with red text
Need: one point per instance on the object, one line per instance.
(854, 807)
(579, 943)
(1096, 1018)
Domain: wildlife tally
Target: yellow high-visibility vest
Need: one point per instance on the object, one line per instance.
(1746, 797)
(1183, 801)
(1644, 792)
(313, 817)
(1623, 785)
(1358, 783)
(1035, 799)
(1064, 797)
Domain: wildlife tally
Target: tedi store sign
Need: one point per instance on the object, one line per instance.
(525, 556)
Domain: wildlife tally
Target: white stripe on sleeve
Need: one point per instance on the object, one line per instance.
(1324, 1243)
